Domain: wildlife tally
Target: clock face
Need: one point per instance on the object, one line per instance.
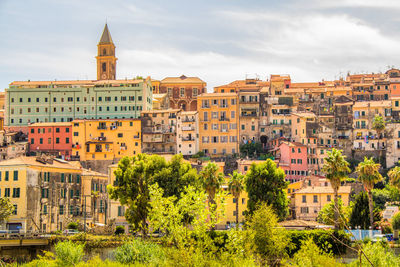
(104, 76)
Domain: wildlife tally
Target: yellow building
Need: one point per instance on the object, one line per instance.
(105, 139)
(310, 200)
(218, 123)
(94, 195)
(160, 101)
(46, 193)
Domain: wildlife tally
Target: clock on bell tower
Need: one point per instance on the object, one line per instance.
(106, 60)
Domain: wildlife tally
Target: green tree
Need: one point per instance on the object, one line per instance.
(185, 221)
(268, 239)
(336, 169)
(265, 182)
(251, 149)
(135, 174)
(368, 174)
(327, 214)
(236, 186)
(378, 124)
(175, 176)
(212, 180)
(396, 221)
(359, 214)
(6, 209)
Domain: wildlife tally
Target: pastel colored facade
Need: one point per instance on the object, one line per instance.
(2, 100)
(160, 101)
(116, 211)
(392, 144)
(310, 200)
(218, 123)
(63, 101)
(94, 197)
(187, 133)
(293, 160)
(229, 219)
(51, 138)
(159, 131)
(249, 112)
(105, 139)
(365, 138)
(183, 91)
(46, 194)
(244, 165)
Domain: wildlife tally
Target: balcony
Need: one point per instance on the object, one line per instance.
(224, 106)
(123, 148)
(249, 114)
(223, 119)
(102, 138)
(205, 106)
(172, 116)
(102, 127)
(136, 136)
(188, 138)
(188, 120)
(187, 128)
(360, 127)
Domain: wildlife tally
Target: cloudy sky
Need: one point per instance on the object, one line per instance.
(216, 40)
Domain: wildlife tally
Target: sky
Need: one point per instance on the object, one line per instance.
(218, 41)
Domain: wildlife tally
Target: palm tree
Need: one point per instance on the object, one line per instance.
(212, 180)
(236, 186)
(368, 173)
(336, 169)
(378, 124)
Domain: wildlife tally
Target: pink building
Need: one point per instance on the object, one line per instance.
(292, 158)
(53, 138)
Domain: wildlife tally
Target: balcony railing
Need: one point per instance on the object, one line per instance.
(188, 120)
(187, 139)
(223, 119)
(102, 127)
(187, 128)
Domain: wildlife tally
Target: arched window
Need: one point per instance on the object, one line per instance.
(104, 52)
(104, 66)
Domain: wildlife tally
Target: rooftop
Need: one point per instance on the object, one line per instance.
(48, 124)
(182, 79)
(323, 190)
(32, 161)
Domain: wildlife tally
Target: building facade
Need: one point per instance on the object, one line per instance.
(51, 138)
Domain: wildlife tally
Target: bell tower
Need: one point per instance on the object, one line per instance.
(106, 60)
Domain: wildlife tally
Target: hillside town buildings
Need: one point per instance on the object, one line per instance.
(61, 140)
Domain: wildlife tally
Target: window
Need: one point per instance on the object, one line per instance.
(315, 198)
(57, 140)
(328, 198)
(62, 177)
(76, 133)
(194, 92)
(67, 130)
(32, 141)
(304, 209)
(57, 130)
(40, 140)
(15, 211)
(15, 175)
(16, 192)
(6, 176)
(120, 135)
(61, 209)
(304, 199)
(6, 192)
(182, 92)
(121, 211)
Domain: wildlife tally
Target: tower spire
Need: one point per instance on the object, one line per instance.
(106, 36)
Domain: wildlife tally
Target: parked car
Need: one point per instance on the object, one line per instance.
(70, 232)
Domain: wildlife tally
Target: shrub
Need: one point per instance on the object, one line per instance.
(396, 221)
(311, 255)
(329, 241)
(268, 240)
(138, 251)
(119, 230)
(72, 225)
(68, 253)
(379, 255)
